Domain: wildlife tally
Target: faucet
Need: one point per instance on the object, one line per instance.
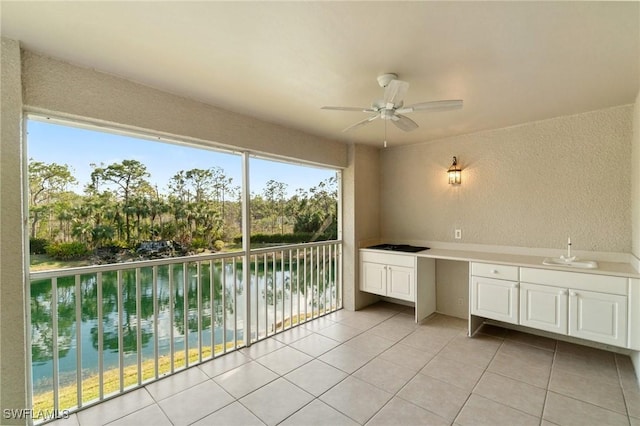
(568, 257)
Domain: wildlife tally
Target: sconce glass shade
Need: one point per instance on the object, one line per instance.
(454, 172)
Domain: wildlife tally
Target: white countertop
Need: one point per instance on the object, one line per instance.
(604, 268)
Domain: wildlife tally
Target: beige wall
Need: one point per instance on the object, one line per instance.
(67, 90)
(635, 181)
(360, 218)
(13, 355)
(531, 185)
(452, 288)
(49, 86)
(635, 203)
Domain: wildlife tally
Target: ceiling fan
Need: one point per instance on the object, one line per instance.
(392, 106)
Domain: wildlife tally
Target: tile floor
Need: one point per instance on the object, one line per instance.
(377, 367)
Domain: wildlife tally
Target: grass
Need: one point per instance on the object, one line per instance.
(42, 262)
(67, 395)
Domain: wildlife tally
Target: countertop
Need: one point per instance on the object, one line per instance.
(604, 268)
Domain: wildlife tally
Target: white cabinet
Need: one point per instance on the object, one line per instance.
(544, 307)
(588, 306)
(373, 278)
(494, 292)
(600, 317)
(391, 275)
(401, 282)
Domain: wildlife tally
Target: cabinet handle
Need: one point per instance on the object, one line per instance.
(573, 293)
(515, 285)
(562, 292)
(494, 271)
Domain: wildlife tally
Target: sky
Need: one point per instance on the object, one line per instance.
(78, 148)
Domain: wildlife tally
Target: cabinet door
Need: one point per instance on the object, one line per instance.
(598, 316)
(543, 307)
(495, 299)
(401, 283)
(373, 278)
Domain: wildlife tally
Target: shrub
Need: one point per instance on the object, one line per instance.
(38, 245)
(68, 251)
(218, 245)
(198, 244)
(118, 244)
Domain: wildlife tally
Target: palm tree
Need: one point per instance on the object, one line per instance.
(101, 234)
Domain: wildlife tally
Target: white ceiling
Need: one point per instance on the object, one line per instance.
(511, 62)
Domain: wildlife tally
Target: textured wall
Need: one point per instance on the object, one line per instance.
(13, 354)
(360, 204)
(452, 288)
(635, 180)
(55, 86)
(529, 186)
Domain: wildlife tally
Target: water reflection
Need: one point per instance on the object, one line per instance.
(221, 318)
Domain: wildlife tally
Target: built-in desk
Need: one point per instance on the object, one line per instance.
(595, 305)
(613, 286)
(604, 268)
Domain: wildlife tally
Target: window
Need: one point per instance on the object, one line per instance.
(98, 197)
(292, 203)
(167, 218)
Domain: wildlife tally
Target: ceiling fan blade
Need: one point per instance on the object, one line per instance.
(358, 109)
(432, 106)
(404, 123)
(361, 123)
(394, 92)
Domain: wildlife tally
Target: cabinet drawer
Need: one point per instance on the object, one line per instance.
(501, 272)
(388, 259)
(575, 280)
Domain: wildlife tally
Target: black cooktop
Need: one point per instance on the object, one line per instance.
(399, 247)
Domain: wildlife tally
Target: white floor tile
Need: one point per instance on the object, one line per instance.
(317, 413)
(316, 377)
(345, 368)
(233, 414)
(276, 401)
(357, 399)
(246, 378)
(195, 403)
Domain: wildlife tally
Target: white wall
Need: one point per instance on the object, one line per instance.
(531, 185)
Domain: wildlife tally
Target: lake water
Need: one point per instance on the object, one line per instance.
(275, 290)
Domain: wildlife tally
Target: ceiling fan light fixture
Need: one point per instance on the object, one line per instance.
(392, 106)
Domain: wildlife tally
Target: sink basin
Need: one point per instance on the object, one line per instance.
(399, 247)
(576, 263)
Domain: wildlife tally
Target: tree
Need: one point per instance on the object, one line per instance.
(222, 186)
(46, 181)
(200, 182)
(127, 177)
(274, 193)
(317, 210)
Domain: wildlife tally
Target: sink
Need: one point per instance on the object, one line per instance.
(398, 247)
(575, 263)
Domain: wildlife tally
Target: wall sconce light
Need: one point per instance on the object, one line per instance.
(454, 172)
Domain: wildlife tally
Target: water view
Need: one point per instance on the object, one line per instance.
(215, 314)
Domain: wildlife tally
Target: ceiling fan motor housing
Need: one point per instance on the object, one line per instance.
(385, 79)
